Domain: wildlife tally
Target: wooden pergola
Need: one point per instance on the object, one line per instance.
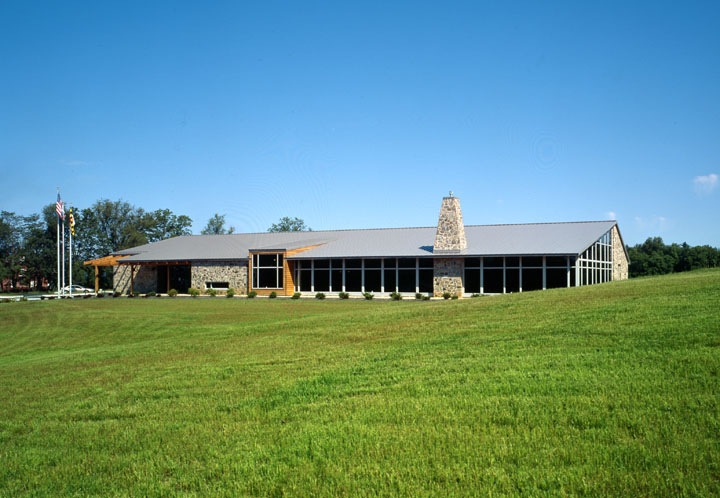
(106, 261)
(116, 261)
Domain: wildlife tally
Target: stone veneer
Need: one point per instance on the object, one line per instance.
(145, 279)
(450, 234)
(620, 261)
(449, 239)
(234, 273)
(448, 276)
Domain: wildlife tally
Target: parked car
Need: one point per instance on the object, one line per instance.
(76, 289)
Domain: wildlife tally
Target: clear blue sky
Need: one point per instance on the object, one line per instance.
(359, 114)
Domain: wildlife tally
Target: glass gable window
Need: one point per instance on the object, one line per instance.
(267, 271)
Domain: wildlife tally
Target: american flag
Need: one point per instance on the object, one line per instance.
(59, 209)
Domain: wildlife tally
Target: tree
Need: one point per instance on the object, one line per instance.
(287, 224)
(10, 244)
(216, 226)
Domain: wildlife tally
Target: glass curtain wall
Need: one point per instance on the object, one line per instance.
(357, 275)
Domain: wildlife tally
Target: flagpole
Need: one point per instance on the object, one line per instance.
(58, 246)
(71, 231)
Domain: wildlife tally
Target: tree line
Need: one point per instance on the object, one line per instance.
(28, 250)
(654, 257)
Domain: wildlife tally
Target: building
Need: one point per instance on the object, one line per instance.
(450, 258)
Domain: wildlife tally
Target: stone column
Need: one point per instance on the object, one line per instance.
(449, 240)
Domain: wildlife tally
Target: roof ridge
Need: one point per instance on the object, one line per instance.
(397, 228)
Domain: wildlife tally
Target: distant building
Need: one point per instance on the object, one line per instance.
(452, 257)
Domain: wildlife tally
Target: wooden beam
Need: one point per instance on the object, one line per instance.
(97, 279)
(106, 261)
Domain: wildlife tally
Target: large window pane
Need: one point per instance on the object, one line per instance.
(268, 260)
(336, 280)
(353, 280)
(389, 281)
(322, 263)
(531, 261)
(406, 280)
(472, 281)
(556, 261)
(512, 280)
(493, 281)
(372, 263)
(512, 261)
(390, 263)
(425, 262)
(267, 278)
(426, 281)
(493, 262)
(556, 278)
(472, 263)
(322, 280)
(532, 279)
(305, 281)
(406, 263)
(353, 263)
(372, 280)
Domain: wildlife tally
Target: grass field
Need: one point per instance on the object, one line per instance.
(605, 390)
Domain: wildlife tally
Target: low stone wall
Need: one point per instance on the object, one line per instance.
(234, 273)
(145, 279)
(620, 262)
(448, 276)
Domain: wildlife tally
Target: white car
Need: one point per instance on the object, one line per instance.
(76, 289)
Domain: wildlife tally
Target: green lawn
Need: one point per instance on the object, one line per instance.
(605, 390)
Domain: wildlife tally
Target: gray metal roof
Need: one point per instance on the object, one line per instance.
(483, 240)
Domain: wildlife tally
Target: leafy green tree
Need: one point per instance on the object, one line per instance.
(10, 244)
(654, 257)
(216, 226)
(287, 224)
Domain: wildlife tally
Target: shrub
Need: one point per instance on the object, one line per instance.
(296, 296)
(476, 295)
(230, 292)
(152, 294)
(194, 292)
(426, 298)
(454, 296)
(368, 295)
(23, 298)
(252, 294)
(99, 294)
(212, 292)
(320, 295)
(343, 295)
(446, 295)
(418, 295)
(396, 296)
(172, 293)
(273, 295)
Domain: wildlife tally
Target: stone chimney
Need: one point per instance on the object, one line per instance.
(450, 235)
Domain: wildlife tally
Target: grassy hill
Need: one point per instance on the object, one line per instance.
(610, 390)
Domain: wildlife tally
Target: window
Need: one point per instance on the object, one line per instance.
(216, 285)
(267, 271)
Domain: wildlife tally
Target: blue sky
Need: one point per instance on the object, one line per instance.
(362, 114)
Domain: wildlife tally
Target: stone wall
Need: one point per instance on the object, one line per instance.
(145, 279)
(450, 234)
(620, 262)
(448, 276)
(234, 273)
